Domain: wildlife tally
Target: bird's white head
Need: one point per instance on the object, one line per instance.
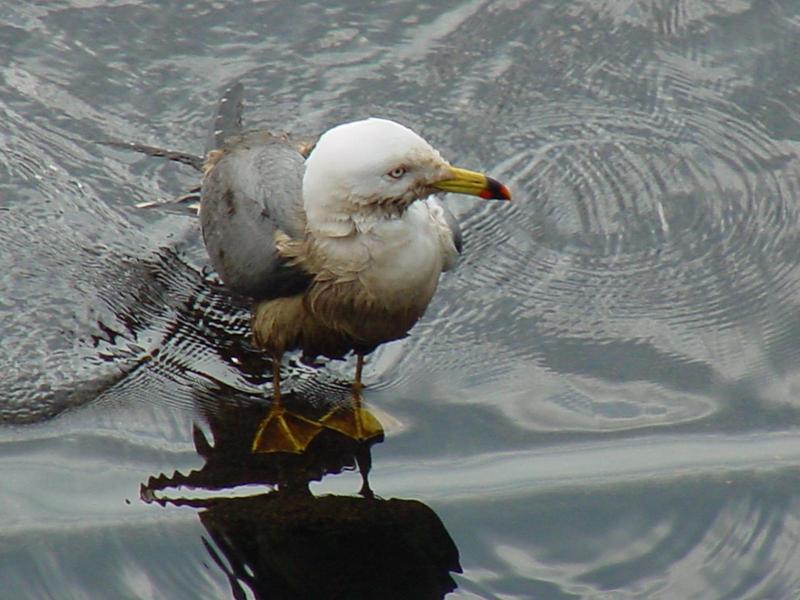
(370, 165)
(377, 167)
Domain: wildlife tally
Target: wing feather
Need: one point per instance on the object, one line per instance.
(252, 190)
(455, 228)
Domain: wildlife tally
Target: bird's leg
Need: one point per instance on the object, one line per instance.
(366, 425)
(354, 421)
(358, 387)
(276, 381)
(364, 462)
(282, 430)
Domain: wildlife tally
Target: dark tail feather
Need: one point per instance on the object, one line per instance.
(228, 121)
(193, 161)
(185, 203)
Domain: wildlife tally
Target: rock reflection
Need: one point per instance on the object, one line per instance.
(288, 543)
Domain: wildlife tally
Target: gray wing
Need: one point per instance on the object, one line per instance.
(458, 239)
(252, 190)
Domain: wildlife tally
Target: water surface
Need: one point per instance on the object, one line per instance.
(601, 401)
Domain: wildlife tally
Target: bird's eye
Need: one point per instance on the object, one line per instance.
(397, 173)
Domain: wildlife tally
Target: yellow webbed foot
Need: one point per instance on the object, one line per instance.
(284, 431)
(353, 421)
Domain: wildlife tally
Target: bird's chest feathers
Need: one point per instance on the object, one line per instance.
(405, 259)
(395, 263)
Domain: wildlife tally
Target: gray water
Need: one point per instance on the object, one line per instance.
(601, 402)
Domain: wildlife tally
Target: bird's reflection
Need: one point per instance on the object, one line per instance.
(288, 543)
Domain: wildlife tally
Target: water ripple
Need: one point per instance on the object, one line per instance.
(674, 231)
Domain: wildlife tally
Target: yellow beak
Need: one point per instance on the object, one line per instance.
(462, 181)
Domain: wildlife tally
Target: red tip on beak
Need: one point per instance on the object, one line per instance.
(495, 190)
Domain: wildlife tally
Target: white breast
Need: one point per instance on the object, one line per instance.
(398, 261)
(406, 258)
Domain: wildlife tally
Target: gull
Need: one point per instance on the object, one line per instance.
(340, 246)
(339, 242)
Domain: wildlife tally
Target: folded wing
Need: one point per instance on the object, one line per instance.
(251, 191)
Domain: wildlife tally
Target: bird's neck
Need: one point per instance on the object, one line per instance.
(355, 219)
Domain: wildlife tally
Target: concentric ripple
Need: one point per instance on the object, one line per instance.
(645, 239)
